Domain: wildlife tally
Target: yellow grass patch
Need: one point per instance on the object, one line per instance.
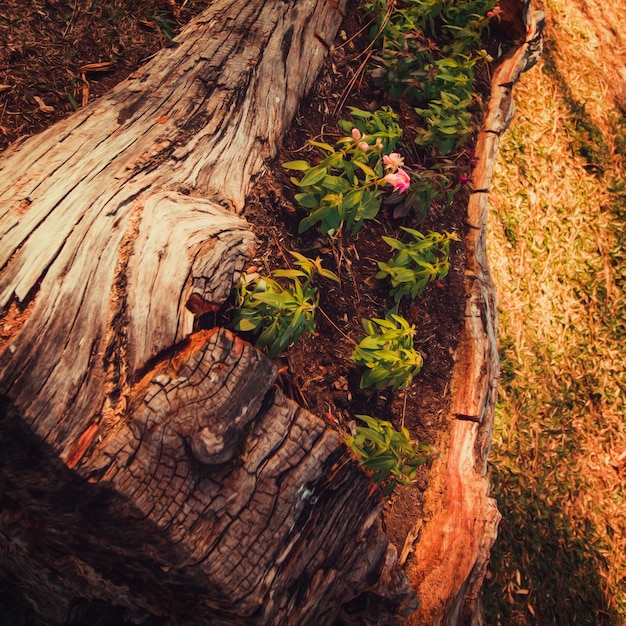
(559, 267)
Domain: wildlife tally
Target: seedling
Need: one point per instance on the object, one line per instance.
(280, 314)
(418, 263)
(387, 353)
(389, 454)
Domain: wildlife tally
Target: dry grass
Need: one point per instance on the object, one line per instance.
(557, 250)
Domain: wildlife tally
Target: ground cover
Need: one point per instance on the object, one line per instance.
(556, 248)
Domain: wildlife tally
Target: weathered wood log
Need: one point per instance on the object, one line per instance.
(451, 556)
(144, 463)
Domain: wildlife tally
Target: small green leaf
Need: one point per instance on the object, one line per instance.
(314, 175)
(245, 325)
(365, 168)
(323, 146)
(301, 166)
(307, 200)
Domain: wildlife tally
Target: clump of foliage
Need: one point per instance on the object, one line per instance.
(390, 454)
(417, 263)
(430, 187)
(426, 55)
(280, 314)
(387, 353)
(346, 187)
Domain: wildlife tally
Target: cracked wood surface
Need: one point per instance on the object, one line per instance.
(149, 465)
(452, 554)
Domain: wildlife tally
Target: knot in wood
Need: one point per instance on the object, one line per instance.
(206, 395)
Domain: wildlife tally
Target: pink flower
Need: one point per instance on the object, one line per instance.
(400, 180)
(464, 180)
(359, 140)
(393, 161)
(496, 11)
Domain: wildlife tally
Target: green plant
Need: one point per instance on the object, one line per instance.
(280, 314)
(426, 52)
(430, 187)
(418, 263)
(390, 454)
(380, 124)
(345, 188)
(387, 353)
(166, 25)
(447, 123)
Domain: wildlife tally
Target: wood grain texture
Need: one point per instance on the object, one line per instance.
(287, 532)
(149, 465)
(450, 559)
(88, 205)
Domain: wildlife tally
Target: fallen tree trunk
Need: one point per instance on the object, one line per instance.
(451, 556)
(146, 464)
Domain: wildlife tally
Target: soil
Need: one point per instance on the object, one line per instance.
(46, 50)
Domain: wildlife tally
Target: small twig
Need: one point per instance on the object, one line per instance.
(358, 32)
(321, 310)
(281, 249)
(406, 393)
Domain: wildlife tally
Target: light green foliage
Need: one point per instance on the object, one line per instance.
(345, 188)
(388, 453)
(447, 123)
(280, 314)
(426, 54)
(380, 124)
(417, 263)
(387, 353)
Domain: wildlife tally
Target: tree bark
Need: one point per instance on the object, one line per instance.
(147, 464)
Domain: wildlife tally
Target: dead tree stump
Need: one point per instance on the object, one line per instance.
(143, 463)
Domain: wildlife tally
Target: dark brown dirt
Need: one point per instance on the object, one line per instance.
(57, 55)
(44, 48)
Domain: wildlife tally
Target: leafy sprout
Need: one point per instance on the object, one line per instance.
(280, 315)
(418, 263)
(389, 454)
(387, 353)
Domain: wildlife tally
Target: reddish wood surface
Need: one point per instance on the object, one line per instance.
(452, 552)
